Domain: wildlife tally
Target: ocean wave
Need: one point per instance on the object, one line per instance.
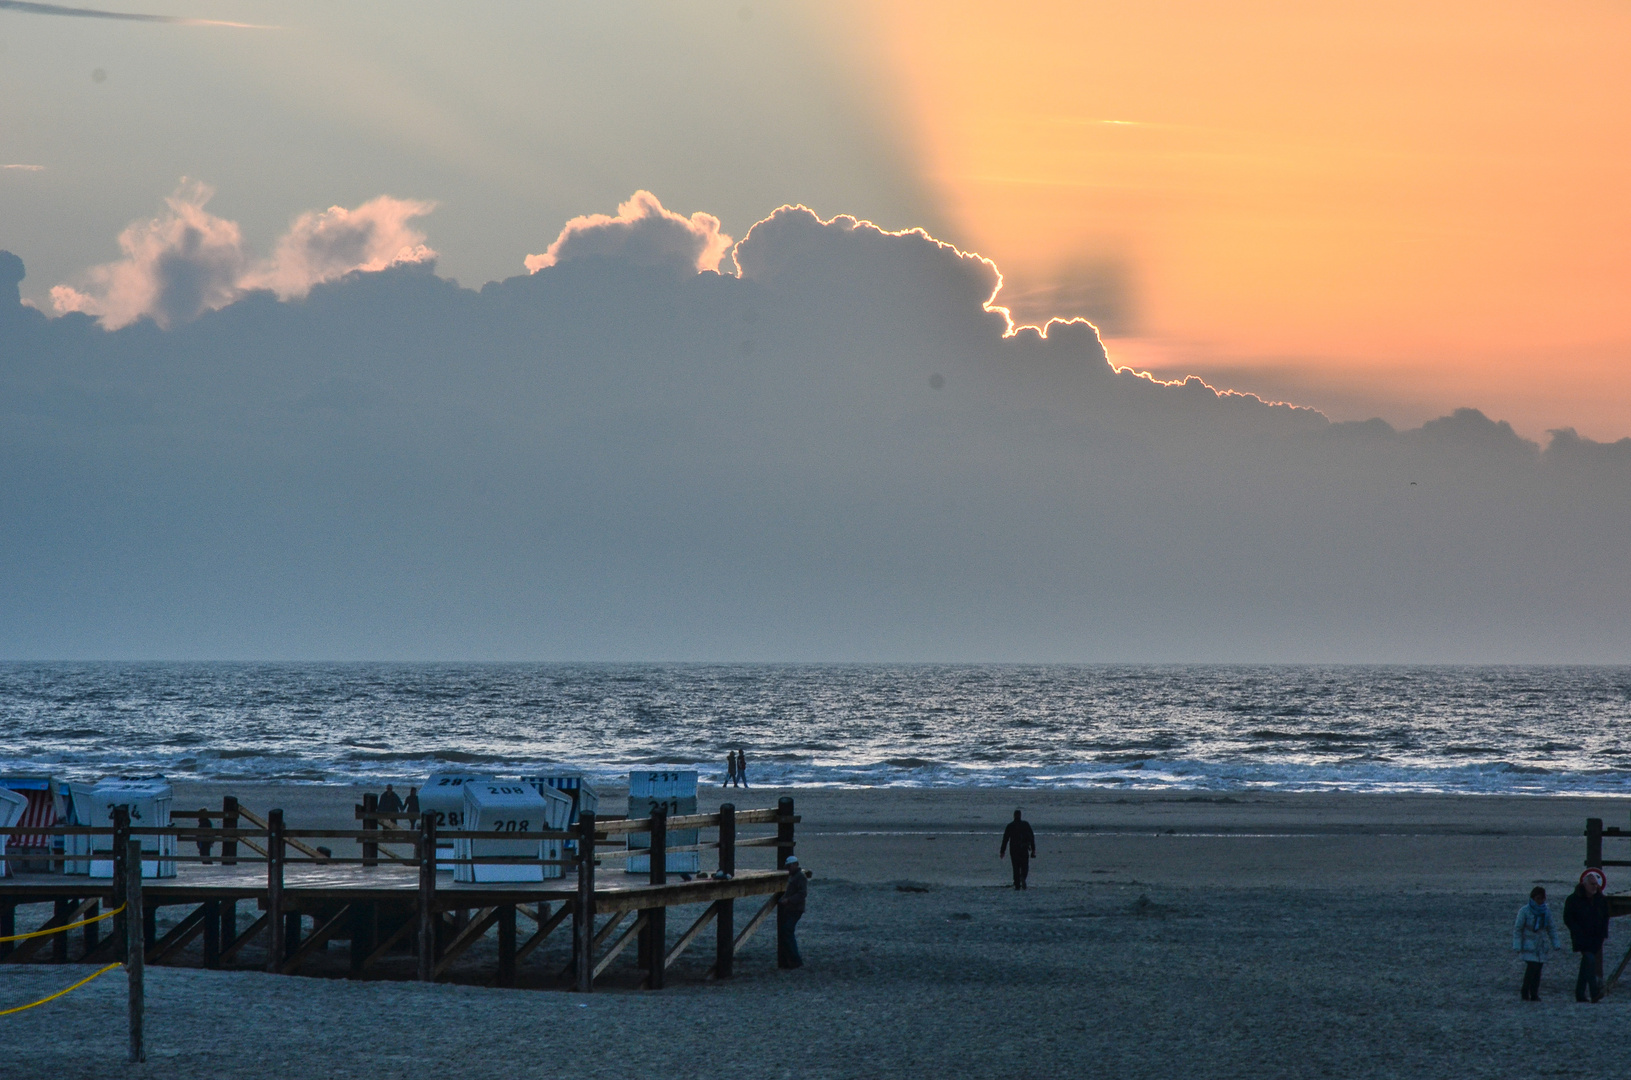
(1200, 728)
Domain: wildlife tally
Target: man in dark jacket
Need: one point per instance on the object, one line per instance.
(1585, 913)
(792, 907)
(1020, 843)
(390, 802)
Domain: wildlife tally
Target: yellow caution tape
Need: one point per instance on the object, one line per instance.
(64, 929)
(59, 993)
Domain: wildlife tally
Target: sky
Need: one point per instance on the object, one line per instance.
(1384, 210)
(571, 331)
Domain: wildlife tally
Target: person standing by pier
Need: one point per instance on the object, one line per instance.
(730, 768)
(1534, 937)
(1019, 841)
(205, 844)
(1585, 913)
(792, 905)
(390, 803)
(741, 768)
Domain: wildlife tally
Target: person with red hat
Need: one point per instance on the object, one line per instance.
(1585, 913)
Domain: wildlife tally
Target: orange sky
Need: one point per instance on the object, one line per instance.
(1379, 208)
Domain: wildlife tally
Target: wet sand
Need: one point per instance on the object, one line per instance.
(1249, 935)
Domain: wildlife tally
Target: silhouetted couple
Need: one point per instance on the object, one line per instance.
(1019, 842)
(736, 769)
(391, 803)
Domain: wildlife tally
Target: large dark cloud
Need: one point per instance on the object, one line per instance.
(842, 453)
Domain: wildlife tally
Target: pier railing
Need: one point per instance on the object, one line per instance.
(245, 839)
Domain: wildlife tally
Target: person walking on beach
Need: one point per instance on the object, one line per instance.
(741, 768)
(205, 844)
(1585, 913)
(1019, 842)
(410, 806)
(1534, 937)
(390, 802)
(730, 768)
(792, 909)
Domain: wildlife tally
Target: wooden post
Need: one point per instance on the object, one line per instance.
(135, 947)
(121, 837)
(59, 942)
(229, 921)
(725, 950)
(150, 925)
(8, 925)
(1594, 842)
(93, 931)
(292, 927)
(370, 851)
(784, 850)
(583, 912)
(274, 891)
(364, 924)
(657, 917)
(427, 898)
(506, 945)
(212, 933)
(229, 820)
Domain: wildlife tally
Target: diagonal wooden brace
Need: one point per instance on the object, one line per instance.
(543, 931)
(318, 938)
(33, 945)
(179, 936)
(691, 935)
(622, 942)
(747, 931)
(254, 928)
(472, 933)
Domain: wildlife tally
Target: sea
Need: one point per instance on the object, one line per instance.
(1544, 730)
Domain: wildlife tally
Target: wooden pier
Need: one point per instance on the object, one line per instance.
(391, 903)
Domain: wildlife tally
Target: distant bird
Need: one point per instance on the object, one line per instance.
(1412, 483)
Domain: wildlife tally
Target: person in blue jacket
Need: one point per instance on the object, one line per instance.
(1534, 937)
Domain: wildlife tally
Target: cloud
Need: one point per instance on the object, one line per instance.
(323, 246)
(189, 261)
(844, 451)
(25, 168)
(643, 233)
(175, 267)
(30, 8)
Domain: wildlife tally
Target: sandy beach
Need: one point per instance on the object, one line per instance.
(1208, 935)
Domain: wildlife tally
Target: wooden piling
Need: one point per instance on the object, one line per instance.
(121, 838)
(229, 848)
(784, 851)
(364, 930)
(506, 945)
(93, 930)
(657, 917)
(62, 910)
(583, 911)
(370, 850)
(427, 898)
(274, 891)
(725, 949)
(135, 947)
(1594, 842)
(212, 933)
(8, 925)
